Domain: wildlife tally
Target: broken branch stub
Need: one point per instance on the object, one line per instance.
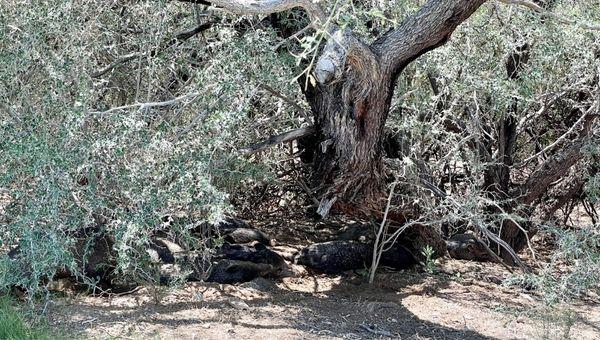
(344, 50)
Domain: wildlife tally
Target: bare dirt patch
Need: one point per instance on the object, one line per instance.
(463, 301)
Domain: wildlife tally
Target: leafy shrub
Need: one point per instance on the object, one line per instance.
(70, 161)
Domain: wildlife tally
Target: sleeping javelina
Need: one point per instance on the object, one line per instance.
(337, 256)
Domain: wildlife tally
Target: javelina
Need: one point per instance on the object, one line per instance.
(337, 256)
(234, 231)
(257, 253)
(232, 271)
(468, 247)
(245, 235)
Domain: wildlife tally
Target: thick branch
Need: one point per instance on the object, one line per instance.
(556, 166)
(278, 139)
(573, 190)
(425, 30)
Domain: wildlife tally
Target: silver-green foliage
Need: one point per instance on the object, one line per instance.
(77, 151)
(71, 161)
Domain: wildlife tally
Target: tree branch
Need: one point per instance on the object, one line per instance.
(121, 60)
(278, 139)
(288, 100)
(425, 30)
(556, 166)
(563, 136)
(182, 36)
(476, 222)
(149, 105)
(539, 9)
(266, 7)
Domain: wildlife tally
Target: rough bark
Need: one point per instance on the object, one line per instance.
(352, 97)
(557, 165)
(427, 29)
(352, 100)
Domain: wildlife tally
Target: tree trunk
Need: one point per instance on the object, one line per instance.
(348, 166)
(352, 98)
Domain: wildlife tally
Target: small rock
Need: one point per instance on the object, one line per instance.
(199, 296)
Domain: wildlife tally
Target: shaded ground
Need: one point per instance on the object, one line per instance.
(461, 302)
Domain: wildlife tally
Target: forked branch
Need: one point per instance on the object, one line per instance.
(278, 139)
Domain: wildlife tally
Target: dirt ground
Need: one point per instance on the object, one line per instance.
(462, 301)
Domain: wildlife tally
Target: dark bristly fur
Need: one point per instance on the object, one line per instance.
(337, 256)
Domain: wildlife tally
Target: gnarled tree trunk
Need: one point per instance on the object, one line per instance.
(352, 100)
(352, 97)
(350, 117)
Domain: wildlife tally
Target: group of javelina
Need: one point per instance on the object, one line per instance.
(246, 253)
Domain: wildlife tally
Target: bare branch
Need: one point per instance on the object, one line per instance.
(291, 37)
(287, 100)
(377, 249)
(181, 36)
(121, 60)
(377, 332)
(566, 134)
(539, 9)
(573, 189)
(149, 105)
(278, 139)
(557, 165)
(476, 222)
(267, 7)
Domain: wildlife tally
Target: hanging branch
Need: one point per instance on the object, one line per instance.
(538, 9)
(182, 36)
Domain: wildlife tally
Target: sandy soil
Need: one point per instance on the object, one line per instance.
(462, 301)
